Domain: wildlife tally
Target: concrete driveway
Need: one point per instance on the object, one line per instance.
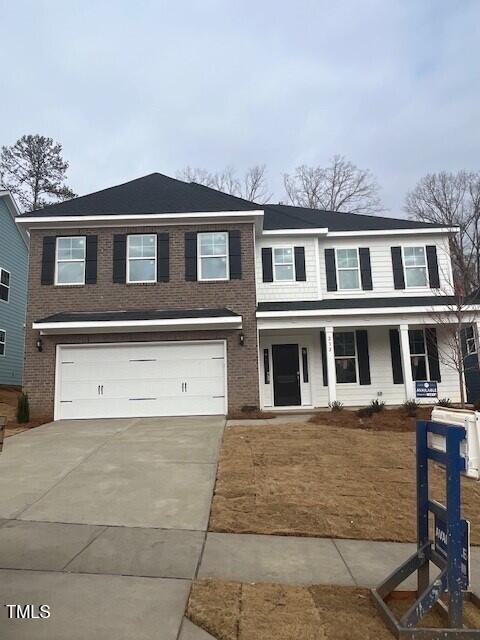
(105, 520)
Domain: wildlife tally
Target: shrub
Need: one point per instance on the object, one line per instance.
(444, 402)
(377, 405)
(365, 412)
(336, 405)
(410, 407)
(23, 408)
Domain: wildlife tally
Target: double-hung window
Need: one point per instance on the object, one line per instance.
(283, 264)
(418, 354)
(345, 356)
(470, 342)
(70, 260)
(4, 285)
(415, 267)
(3, 341)
(348, 269)
(142, 258)
(213, 256)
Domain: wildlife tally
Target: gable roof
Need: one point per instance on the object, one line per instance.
(14, 212)
(159, 194)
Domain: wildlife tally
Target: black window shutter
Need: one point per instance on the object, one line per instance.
(235, 254)
(323, 344)
(432, 263)
(397, 368)
(190, 255)
(91, 260)
(119, 257)
(432, 350)
(331, 269)
(397, 264)
(363, 357)
(300, 274)
(365, 268)
(163, 257)
(267, 267)
(48, 259)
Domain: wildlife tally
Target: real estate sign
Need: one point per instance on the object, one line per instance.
(426, 389)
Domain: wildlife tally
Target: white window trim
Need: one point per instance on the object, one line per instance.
(355, 357)
(425, 354)
(129, 281)
(425, 266)
(338, 269)
(274, 265)
(200, 256)
(472, 339)
(84, 260)
(2, 355)
(4, 285)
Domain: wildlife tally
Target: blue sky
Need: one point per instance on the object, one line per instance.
(134, 87)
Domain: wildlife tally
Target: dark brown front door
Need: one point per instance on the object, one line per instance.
(286, 375)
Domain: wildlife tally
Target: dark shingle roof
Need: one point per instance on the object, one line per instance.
(160, 194)
(138, 314)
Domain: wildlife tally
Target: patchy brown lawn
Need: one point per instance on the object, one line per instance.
(326, 481)
(236, 611)
(8, 409)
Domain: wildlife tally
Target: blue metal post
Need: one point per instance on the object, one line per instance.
(454, 531)
(423, 574)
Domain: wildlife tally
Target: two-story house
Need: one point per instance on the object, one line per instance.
(13, 291)
(160, 297)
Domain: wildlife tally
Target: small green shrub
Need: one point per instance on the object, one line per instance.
(444, 402)
(365, 412)
(410, 407)
(336, 405)
(377, 405)
(23, 409)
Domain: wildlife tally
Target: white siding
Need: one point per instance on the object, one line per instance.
(273, 291)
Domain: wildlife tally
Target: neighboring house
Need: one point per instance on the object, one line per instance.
(13, 291)
(160, 297)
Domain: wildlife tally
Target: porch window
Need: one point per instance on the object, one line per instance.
(4, 285)
(415, 266)
(345, 356)
(213, 256)
(142, 258)
(283, 263)
(418, 354)
(3, 341)
(348, 270)
(470, 343)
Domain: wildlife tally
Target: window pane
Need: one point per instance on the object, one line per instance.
(141, 246)
(417, 341)
(347, 258)
(5, 278)
(214, 268)
(213, 244)
(70, 272)
(2, 336)
(344, 344)
(345, 368)
(71, 248)
(4, 293)
(414, 256)
(142, 271)
(419, 367)
(283, 256)
(348, 279)
(284, 272)
(416, 277)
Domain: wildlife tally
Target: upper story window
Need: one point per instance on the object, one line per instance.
(3, 342)
(4, 285)
(142, 258)
(415, 267)
(345, 356)
(283, 264)
(213, 256)
(470, 343)
(348, 269)
(70, 260)
(418, 354)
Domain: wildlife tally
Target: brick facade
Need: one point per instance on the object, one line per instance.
(237, 295)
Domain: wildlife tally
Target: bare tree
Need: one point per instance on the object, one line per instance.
(341, 186)
(34, 171)
(452, 199)
(251, 186)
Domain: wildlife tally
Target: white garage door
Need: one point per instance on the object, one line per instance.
(141, 379)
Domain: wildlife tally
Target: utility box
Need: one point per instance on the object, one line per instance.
(470, 447)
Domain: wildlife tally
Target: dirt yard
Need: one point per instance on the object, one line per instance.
(328, 481)
(8, 409)
(235, 611)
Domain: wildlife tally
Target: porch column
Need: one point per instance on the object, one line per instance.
(332, 376)
(406, 362)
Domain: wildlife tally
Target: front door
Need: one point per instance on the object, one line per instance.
(286, 375)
